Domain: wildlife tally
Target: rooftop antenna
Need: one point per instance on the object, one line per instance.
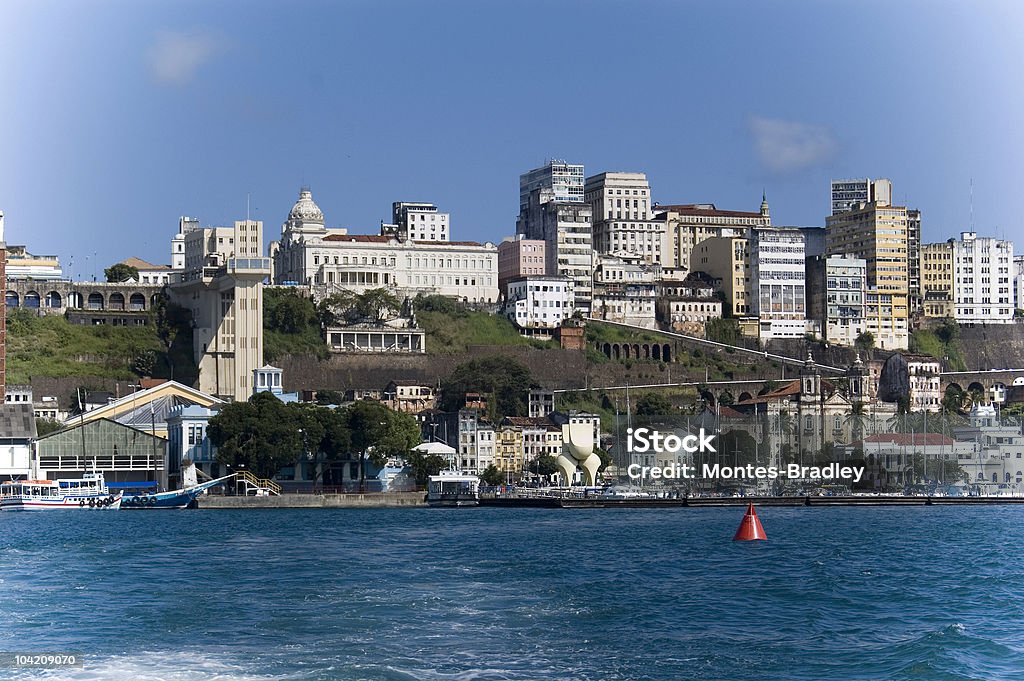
(247, 195)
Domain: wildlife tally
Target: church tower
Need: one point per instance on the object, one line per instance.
(764, 207)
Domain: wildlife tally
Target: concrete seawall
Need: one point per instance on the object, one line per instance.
(389, 500)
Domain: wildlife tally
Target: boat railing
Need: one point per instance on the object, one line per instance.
(251, 481)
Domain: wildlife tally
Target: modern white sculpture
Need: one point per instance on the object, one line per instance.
(578, 450)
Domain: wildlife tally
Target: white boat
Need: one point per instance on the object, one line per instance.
(89, 491)
(453, 488)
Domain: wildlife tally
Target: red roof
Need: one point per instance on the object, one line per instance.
(693, 209)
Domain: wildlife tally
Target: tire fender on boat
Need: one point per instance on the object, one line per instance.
(92, 503)
(151, 501)
(81, 502)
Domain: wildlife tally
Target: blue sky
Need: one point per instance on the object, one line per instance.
(118, 117)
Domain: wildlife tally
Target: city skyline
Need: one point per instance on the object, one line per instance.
(140, 115)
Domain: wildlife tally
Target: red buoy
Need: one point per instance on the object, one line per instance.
(750, 527)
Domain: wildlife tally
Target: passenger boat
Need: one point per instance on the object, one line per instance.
(178, 498)
(453, 488)
(90, 491)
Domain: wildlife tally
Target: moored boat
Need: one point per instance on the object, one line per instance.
(178, 498)
(89, 491)
(453, 488)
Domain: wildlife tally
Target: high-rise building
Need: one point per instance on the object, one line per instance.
(914, 291)
(937, 280)
(877, 232)
(551, 209)
(983, 280)
(623, 221)
(565, 181)
(222, 285)
(777, 281)
(419, 221)
(1018, 282)
(846, 194)
(835, 296)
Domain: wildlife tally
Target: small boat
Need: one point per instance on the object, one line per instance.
(90, 491)
(178, 498)
(453, 488)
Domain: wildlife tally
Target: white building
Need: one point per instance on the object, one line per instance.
(620, 204)
(565, 228)
(310, 254)
(999, 459)
(150, 273)
(846, 194)
(539, 302)
(778, 275)
(625, 290)
(1018, 282)
(24, 265)
(476, 442)
(687, 305)
(419, 222)
(982, 280)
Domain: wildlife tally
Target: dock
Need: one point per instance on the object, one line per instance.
(701, 502)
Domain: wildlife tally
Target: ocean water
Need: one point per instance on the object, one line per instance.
(835, 593)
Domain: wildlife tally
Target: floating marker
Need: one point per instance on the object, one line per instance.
(750, 527)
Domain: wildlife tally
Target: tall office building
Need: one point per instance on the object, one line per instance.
(551, 209)
(877, 232)
(937, 280)
(565, 180)
(983, 280)
(686, 225)
(846, 194)
(623, 221)
(419, 222)
(777, 286)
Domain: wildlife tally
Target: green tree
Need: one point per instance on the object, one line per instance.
(654, 404)
(46, 426)
(286, 311)
(544, 466)
(492, 476)
(120, 272)
(379, 433)
(325, 397)
(865, 341)
(262, 435)
(503, 380)
(423, 466)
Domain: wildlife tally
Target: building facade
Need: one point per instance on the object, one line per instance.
(309, 254)
(778, 281)
(727, 259)
(846, 194)
(623, 223)
(625, 290)
(937, 280)
(982, 280)
(519, 257)
(836, 288)
(686, 225)
(419, 222)
(539, 303)
(877, 232)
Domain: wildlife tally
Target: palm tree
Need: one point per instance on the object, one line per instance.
(856, 420)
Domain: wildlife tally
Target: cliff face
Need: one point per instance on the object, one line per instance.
(998, 346)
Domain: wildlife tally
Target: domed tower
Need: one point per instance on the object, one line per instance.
(810, 380)
(305, 216)
(764, 206)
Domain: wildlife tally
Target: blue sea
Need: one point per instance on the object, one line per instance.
(835, 593)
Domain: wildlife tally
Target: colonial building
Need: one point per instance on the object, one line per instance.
(687, 305)
(625, 289)
(310, 254)
(686, 225)
(623, 222)
(539, 303)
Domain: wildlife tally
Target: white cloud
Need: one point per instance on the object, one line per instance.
(176, 56)
(789, 146)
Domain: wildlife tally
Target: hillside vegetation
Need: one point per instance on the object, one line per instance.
(50, 346)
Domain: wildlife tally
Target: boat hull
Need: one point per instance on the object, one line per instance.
(111, 502)
(174, 499)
